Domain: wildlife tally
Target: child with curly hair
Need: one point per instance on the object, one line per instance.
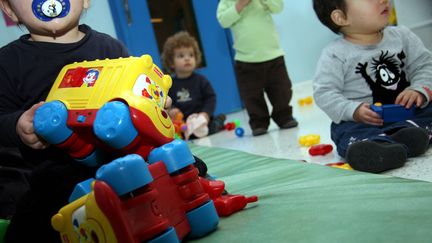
(192, 93)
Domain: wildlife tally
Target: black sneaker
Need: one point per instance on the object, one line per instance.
(415, 138)
(375, 157)
(217, 124)
(289, 124)
(259, 131)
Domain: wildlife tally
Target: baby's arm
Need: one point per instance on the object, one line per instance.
(25, 129)
(418, 68)
(329, 86)
(228, 12)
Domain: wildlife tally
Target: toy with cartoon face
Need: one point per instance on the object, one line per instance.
(118, 102)
(91, 77)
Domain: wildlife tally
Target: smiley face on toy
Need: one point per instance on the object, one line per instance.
(87, 229)
(147, 88)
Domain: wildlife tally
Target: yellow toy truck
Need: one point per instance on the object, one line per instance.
(114, 105)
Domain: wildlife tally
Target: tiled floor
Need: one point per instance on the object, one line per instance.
(284, 143)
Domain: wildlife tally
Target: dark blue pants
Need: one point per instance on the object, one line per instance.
(346, 133)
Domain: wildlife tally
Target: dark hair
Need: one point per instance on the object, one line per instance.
(178, 40)
(323, 10)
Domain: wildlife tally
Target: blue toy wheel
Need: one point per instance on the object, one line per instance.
(96, 158)
(81, 189)
(203, 219)
(125, 174)
(168, 236)
(50, 122)
(113, 125)
(176, 155)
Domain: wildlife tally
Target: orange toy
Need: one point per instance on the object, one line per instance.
(179, 125)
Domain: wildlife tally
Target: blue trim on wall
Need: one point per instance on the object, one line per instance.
(138, 35)
(218, 55)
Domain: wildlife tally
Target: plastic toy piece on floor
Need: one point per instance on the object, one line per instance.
(230, 126)
(111, 105)
(180, 126)
(340, 165)
(393, 113)
(309, 140)
(239, 132)
(320, 149)
(305, 101)
(135, 201)
(226, 204)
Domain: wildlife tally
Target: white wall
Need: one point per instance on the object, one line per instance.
(302, 38)
(98, 17)
(417, 15)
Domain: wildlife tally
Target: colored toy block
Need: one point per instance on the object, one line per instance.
(305, 101)
(309, 140)
(393, 113)
(340, 165)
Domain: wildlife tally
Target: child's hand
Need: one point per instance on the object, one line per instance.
(173, 112)
(364, 114)
(168, 103)
(25, 129)
(408, 97)
(241, 4)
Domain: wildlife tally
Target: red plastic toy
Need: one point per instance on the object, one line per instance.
(320, 149)
(225, 204)
(133, 201)
(179, 125)
(230, 126)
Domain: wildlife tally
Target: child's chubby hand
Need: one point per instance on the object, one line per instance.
(366, 115)
(25, 129)
(168, 103)
(241, 4)
(173, 112)
(408, 97)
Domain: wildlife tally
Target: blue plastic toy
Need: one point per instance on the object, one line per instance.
(393, 113)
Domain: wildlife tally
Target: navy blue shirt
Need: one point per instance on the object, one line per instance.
(193, 94)
(29, 68)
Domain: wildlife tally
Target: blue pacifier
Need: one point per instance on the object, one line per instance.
(47, 10)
